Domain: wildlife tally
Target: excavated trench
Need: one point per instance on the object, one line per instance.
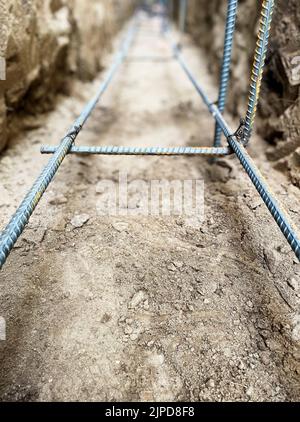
(146, 307)
(279, 109)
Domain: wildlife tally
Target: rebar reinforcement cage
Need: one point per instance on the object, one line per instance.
(237, 140)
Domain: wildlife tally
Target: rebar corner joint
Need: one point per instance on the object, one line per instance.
(239, 134)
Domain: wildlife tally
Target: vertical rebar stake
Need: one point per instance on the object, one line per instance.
(182, 15)
(171, 10)
(258, 66)
(226, 63)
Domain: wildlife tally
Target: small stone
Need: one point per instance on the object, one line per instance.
(80, 220)
(141, 276)
(272, 345)
(265, 358)
(296, 328)
(179, 222)
(271, 260)
(122, 319)
(213, 287)
(250, 304)
(34, 236)
(255, 203)
(241, 366)
(100, 188)
(210, 383)
(293, 283)
(59, 226)
(250, 391)
(206, 301)
(134, 337)
(178, 264)
(106, 318)
(265, 334)
(90, 296)
(296, 260)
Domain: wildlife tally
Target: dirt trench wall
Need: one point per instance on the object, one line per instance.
(279, 110)
(42, 42)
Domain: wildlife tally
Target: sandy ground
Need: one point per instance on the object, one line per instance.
(146, 307)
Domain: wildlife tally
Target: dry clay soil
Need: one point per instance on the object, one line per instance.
(146, 307)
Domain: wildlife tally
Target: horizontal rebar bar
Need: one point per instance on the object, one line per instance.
(15, 227)
(121, 150)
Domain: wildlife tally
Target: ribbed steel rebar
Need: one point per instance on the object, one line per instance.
(258, 66)
(277, 211)
(19, 220)
(226, 63)
(121, 150)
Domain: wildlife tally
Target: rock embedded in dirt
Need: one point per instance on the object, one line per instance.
(250, 304)
(197, 345)
(80, 220)
(120, 226)
(280, 99)
(59, 225)
(211, 383)
(250, 391)
(137, 299)
(171, 267)
(134, 337)
(34, 236)
(296, 328)
(178, 264)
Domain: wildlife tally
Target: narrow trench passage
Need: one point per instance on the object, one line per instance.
(146, 307)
